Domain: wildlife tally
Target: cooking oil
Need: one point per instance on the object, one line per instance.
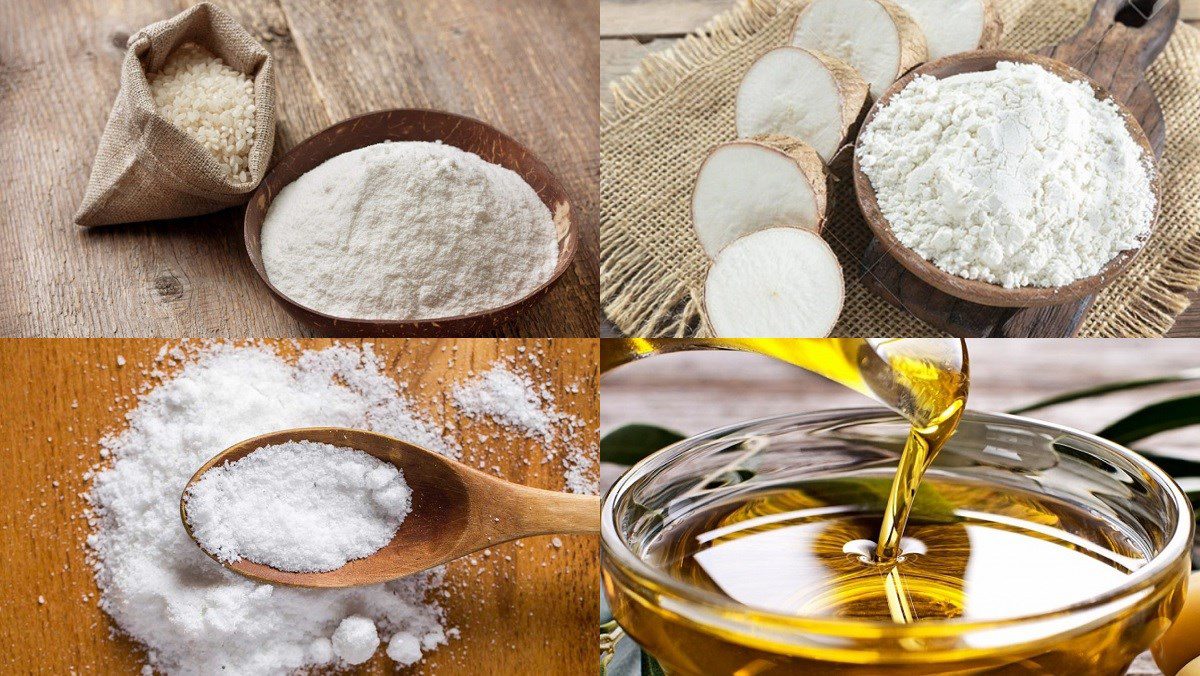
(876, 550)
(925, 380)
(803, 550)
(972, 552)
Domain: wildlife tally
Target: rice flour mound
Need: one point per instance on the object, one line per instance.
(407, 231)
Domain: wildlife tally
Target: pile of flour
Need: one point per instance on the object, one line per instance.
(408, 231)
(192, 615)
(1013, 176)
(299, 506)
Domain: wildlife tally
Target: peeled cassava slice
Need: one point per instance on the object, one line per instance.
(877, 38)
(775, 283)
(953, 26)
(748, 185)
(796, 92)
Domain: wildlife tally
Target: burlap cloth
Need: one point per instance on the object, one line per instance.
(679, 103)
(146, 168)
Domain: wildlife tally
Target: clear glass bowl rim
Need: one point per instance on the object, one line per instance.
(710, 604)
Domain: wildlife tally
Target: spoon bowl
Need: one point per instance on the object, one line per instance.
(456, 510)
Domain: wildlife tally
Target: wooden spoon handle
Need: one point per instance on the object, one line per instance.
(1119, 42)
(531, 511)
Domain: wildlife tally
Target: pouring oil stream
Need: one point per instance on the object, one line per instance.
(923, 379)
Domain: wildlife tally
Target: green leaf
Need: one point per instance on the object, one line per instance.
(873, 492)
(1109, 388)
(1179, 468)
(650, 666)
(1156, 418)
(629, 444)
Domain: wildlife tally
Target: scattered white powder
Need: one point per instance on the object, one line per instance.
(211, 102)
(299, 506)
(1013, 176)
(408, 231)
(192, 615)
(514, 400)
(509, 398)
(355, 639)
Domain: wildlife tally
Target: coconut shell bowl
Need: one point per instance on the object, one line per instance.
(413, 125)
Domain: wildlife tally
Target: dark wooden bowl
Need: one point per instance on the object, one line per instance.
(413, 125)
(977, 291)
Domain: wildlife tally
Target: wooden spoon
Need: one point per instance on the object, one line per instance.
(456, 510)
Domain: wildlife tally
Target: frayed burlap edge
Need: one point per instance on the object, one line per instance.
(643, 297)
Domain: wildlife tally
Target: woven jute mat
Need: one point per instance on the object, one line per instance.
(679, 103)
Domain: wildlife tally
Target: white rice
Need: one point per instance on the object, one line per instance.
(211, 102)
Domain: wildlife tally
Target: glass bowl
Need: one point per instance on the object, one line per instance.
(694, 630)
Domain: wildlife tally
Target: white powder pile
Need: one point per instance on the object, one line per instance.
(192, 615)
(211, 102)
(1013, 176)
(509, 398)
(408, 231)
(299, 506)
(513, 400)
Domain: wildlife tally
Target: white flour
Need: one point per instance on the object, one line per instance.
(408, 231)
(1013, 176)
(192, 615)
(299, 506)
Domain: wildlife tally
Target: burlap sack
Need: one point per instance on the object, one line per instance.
(679, 103)
(147, 168)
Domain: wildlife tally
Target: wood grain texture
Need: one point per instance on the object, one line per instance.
(529, 67)
(631, 29)
(534, 614)
(697, 391)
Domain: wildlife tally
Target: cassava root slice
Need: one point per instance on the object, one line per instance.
(954, 26)
(798, 92)
(775, 283)
(751, 184)
(876, 37)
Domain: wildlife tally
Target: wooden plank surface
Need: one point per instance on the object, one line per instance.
(533, 614)
(693, 392)
(658, 18)
(530, 67)
(632, 29)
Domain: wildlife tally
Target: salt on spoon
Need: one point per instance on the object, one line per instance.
(300, 506)
(454, 510)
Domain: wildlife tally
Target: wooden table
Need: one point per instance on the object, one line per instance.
(529, 67)
(693, 392)
(631, 29)
(534, 614)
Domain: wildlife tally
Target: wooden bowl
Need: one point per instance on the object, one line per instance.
(413, 125)
(977, 291)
